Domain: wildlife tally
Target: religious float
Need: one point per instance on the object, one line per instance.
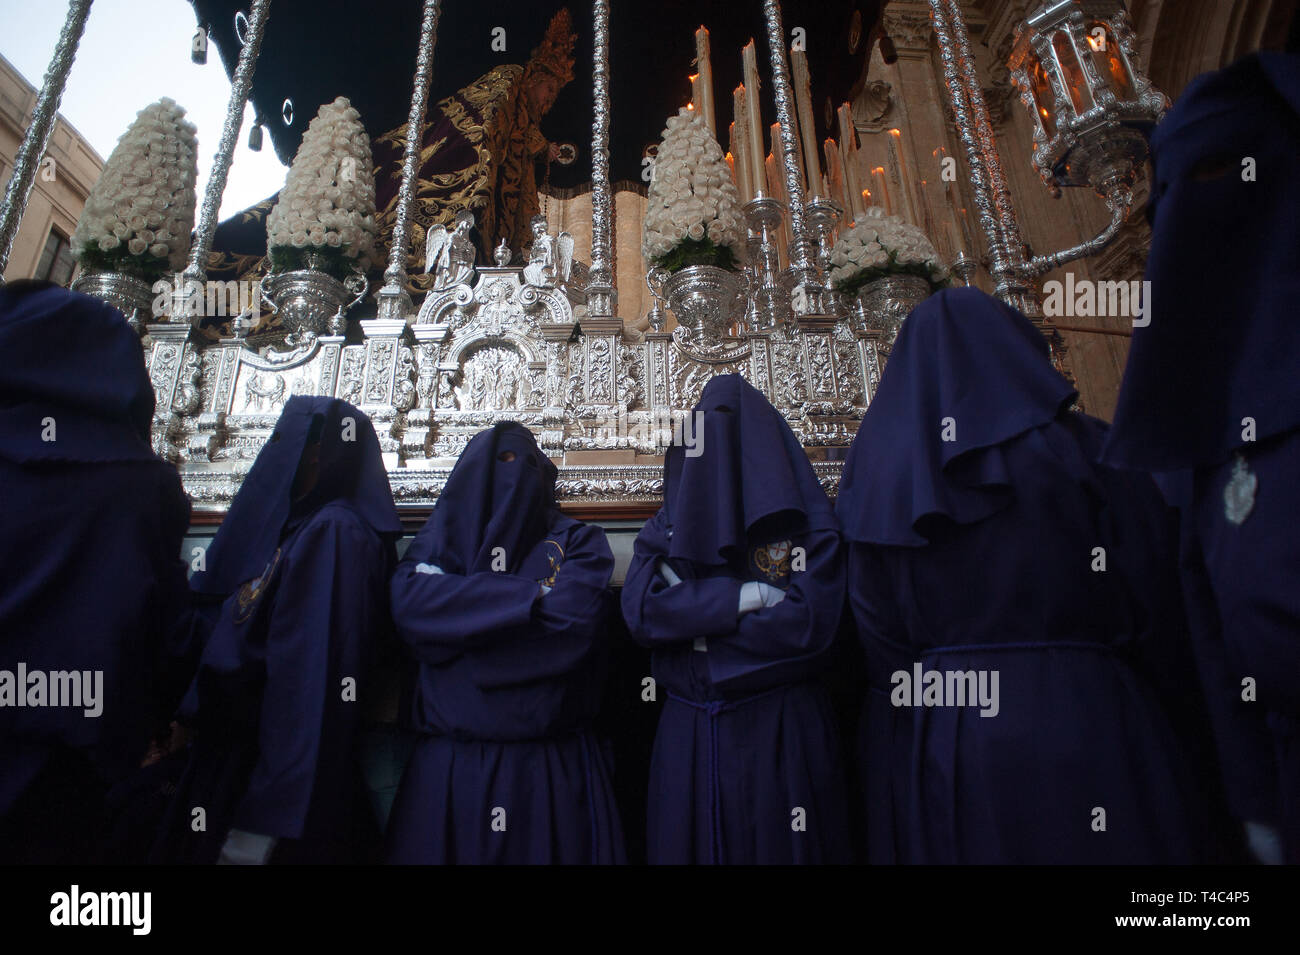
(768, 267)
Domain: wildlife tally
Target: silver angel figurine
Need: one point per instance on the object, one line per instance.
(551, 258)
(449, 253)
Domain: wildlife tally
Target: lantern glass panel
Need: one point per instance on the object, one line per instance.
(1072, 73)
(1043, 97)
(1109, 62)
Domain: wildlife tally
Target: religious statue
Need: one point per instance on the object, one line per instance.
(551, 257)
(449, 254)
(479, 147)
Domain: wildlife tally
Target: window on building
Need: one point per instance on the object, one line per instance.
(56, 264)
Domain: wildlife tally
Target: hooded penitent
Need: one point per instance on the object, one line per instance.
(90, 539)
(1019, 611)
(1211, 392)
(504, 605)
(301, 569)
(736, 586)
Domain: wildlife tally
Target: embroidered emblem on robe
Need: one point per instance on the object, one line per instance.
(251, 592)
(773, 560)
(554, 558)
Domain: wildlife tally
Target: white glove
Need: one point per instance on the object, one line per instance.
(545, 589)
(668, 574)
(1265, 843)
(428, 569)
(755, 595)
(246, 848)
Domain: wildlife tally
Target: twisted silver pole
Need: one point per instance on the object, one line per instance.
(240, 89)
(801, 257)
(1004, 207)
(394, 300)
(37, 138)
(992, 198)
(601, 294)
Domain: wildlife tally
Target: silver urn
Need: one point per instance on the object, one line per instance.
(704, 299)
(131, 296)
(311, 301)
(880, 307)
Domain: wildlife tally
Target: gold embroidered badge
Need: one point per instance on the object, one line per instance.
(554, 558)
(773, 560)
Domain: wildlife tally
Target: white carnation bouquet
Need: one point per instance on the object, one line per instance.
(327, 206)
(693, 210)
(879, 245)
(140, 213)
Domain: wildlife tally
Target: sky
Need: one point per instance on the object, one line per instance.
(133, 53)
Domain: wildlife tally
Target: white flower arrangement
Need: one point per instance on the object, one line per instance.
(327, 205)
(693, 210)
(878, 245)
(140, 212)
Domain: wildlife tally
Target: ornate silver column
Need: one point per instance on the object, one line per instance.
(601, 293)
(394, 300)
(240, 88)
(992, 200)
(37, 137)
(802, 263)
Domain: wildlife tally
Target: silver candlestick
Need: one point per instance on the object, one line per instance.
(769, 303)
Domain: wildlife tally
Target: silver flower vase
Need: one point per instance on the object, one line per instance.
(312, 301)
(880, 307)
(704, 299)
(131, 296)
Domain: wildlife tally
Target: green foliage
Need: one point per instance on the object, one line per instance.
(690, 252)
(331, 260)
(146, 267)
(850, 286)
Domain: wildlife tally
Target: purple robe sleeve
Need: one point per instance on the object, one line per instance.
(658, 614)
(326, 608)
(566, 624)
(441, 616)
(800, 627)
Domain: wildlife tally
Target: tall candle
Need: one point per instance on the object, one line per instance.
(754, 123)
(849, 152)
(705, 65)
(741, 145)
(774, 133)
(881, 190)
(807, 129)
(911, 209)
(835, 175)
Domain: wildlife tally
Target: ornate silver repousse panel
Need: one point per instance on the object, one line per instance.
(495, 348)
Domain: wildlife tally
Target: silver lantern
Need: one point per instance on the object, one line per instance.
(1075, 64)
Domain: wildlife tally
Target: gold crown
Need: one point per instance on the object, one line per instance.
(555, 53)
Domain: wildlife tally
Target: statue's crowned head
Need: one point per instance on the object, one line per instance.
(538, 224)
(551, 65)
